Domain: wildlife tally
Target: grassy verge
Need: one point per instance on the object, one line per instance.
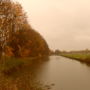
(9, 65)
(18, 74)
(78, 56)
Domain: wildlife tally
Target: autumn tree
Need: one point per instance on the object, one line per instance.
(4, 22)
(11, 20)
(17, 38)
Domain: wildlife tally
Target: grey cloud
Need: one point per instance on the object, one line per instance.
(65, 24)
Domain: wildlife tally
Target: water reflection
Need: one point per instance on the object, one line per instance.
(87, 64)
(65, 73)
(59, 72)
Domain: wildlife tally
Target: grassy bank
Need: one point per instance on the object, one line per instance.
(78, 56)
(10, 65)
(18, 74)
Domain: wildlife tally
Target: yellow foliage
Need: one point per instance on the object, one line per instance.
(21, 39)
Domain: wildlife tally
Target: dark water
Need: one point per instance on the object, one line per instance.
(65, 73)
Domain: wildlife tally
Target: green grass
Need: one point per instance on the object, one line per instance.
(16, 74)
(78, 56)
(9, 65)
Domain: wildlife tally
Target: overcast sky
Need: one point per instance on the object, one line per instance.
(65, 24)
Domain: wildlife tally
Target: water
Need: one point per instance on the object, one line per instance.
(66, 74)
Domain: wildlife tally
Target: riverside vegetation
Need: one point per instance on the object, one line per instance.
(20, 45)
(18, 74)
(82, 56)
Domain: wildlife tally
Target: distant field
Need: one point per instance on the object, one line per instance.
(78, 56)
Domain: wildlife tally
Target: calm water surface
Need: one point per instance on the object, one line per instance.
(66, 74)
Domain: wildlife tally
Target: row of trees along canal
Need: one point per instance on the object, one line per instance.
(17, 37)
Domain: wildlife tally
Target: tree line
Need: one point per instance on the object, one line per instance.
(17, 37)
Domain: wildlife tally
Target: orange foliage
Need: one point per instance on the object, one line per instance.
(8, 51)
(23, 41)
